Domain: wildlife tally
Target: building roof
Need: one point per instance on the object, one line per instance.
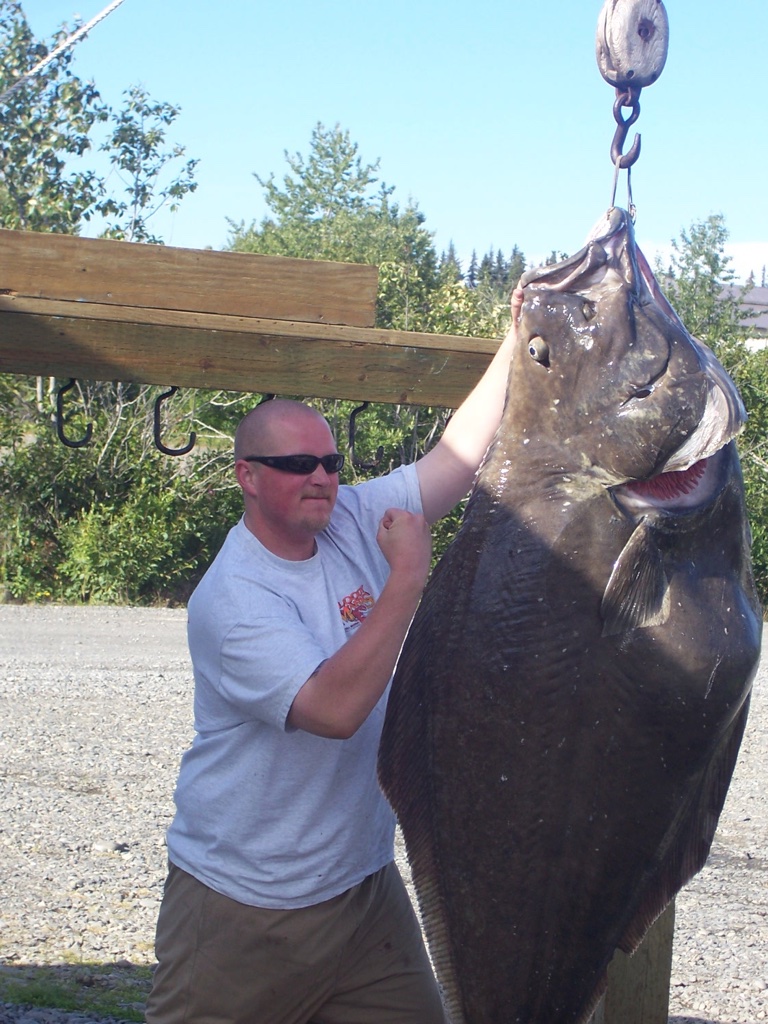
(756, 299)
(754, 302)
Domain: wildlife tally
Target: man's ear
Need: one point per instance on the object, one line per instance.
(246, 477)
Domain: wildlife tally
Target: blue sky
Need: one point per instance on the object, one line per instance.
(492, 116)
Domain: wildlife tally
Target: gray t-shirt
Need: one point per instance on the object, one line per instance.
(268, 815)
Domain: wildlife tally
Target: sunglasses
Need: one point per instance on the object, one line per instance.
(302, 465)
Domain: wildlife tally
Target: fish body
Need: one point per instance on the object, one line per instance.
(569, 702)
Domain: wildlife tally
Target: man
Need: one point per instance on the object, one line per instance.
(283, 904)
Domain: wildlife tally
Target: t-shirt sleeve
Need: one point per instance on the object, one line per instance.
(278, 653)
(365, 503)
(253, 669)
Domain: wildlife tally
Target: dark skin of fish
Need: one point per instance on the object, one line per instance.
(569, 703)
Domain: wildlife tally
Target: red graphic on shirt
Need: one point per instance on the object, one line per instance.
(356, 606)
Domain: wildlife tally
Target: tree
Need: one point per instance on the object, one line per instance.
(472, 271)
(51, 119)
(44, 122)
(701, 284)
(135, 148)
(329, 208)
(516, 267)
(450, 267)
(330, 181)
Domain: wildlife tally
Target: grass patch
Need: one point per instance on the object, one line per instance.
(106, 990)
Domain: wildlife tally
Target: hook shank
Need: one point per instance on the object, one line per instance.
(630, 97)
(60, 419)
(158, 428)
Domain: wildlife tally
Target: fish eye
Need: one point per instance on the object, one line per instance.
(589, 310)
(538, 349)
(639, 394)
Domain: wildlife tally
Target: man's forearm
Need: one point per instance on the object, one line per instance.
(337, 699)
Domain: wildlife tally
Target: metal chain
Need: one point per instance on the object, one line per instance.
(75, 37)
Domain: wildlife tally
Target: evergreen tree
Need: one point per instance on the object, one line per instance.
(485, 270)
(472, 271)
(516, 266)
(450, 267)
(500, 271)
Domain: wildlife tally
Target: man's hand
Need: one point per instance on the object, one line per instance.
(406, 543)
(517, 303)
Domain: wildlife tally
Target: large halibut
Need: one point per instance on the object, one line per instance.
(568, 706)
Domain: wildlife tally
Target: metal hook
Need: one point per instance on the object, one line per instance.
(60, 419)
(351, 443)
(628, 98)
(163, 448)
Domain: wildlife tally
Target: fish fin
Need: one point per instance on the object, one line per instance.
(689, 839)
(405, 769)
(588, 1010)
(637, 593)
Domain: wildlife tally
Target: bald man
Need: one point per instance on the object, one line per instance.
(283, 904)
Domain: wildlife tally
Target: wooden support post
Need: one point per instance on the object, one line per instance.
(638, 985)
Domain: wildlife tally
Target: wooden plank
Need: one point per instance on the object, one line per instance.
(638, 985)
(162, 277)
(238, 353)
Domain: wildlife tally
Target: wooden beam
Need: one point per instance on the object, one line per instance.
(162, 277)
(203, 350)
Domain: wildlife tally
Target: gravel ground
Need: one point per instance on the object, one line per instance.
(95, 710)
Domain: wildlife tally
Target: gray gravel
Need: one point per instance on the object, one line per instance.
(95, 711)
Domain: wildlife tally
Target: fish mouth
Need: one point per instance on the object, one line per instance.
(674, 490)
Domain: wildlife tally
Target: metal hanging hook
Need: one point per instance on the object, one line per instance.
(164, 448)
(60, 419)
(629, 97)
(351, 443)
(631, 49)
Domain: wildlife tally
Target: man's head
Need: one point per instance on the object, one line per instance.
(285, 509)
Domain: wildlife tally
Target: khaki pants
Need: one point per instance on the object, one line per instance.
(356, 959)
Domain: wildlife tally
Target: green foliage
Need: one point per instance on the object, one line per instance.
(135, 147)
(331, 181)
(122, 554)
(750, 374)
(115, 521)
(44, 122)
(700, 276)
(51, 119)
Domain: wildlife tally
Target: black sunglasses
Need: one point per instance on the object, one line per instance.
(303, 465)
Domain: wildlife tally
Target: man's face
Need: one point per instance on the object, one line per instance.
(290, 509)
